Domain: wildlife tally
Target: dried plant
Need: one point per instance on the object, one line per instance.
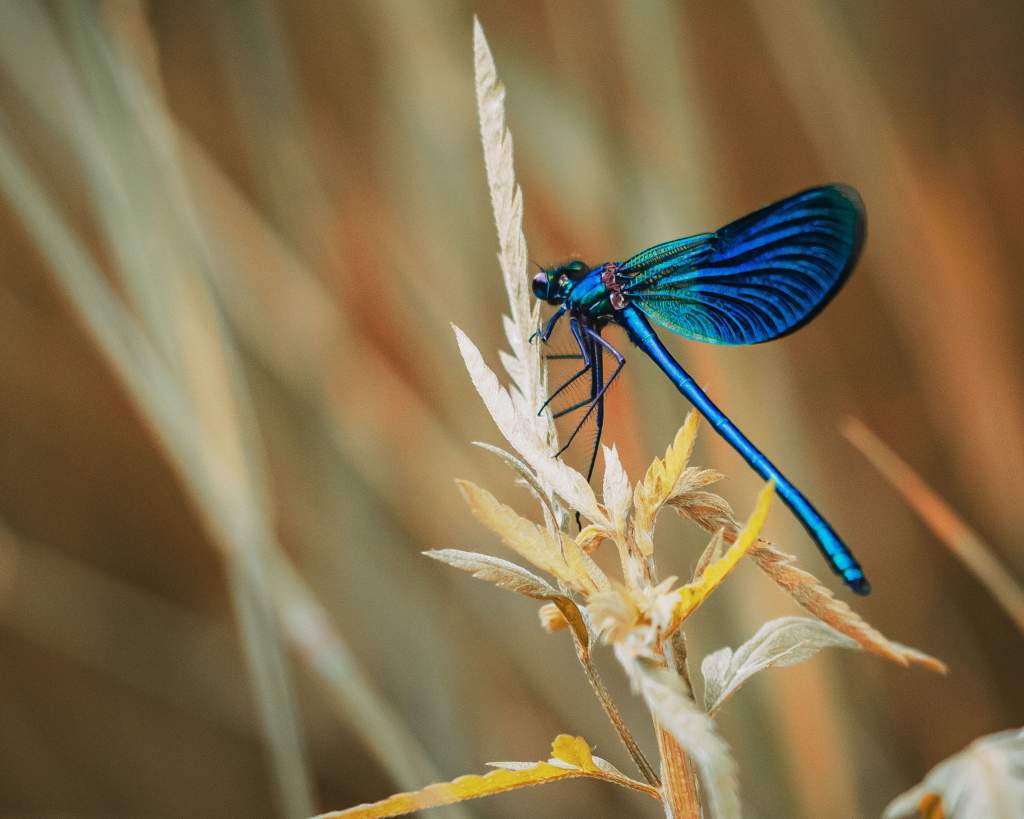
(983, 781)
(638, 615)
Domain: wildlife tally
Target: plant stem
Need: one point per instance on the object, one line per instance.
(646, 770)
(679, 791)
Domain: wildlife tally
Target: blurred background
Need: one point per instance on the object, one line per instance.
(232, 409)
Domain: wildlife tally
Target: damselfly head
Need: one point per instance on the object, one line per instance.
(553, 284)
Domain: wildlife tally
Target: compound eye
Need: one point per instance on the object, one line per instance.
(576, 269)
(540, 286)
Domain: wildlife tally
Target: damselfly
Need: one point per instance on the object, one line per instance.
(753, 280)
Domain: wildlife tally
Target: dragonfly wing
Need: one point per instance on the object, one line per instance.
(757, 278)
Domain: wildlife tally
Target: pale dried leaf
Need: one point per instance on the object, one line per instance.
(665, 695)
(616, 489)
(502, 573)
(806, 590)
(519, 534)
(590, 537)
(582, 566)
(507, 203)
(659, 484)
(518, 428)
(515, 578)
(552, 551)
(983, 781)
(613, 613)
(708, 510)
(780, 642)
(528, 476)
(696, 477)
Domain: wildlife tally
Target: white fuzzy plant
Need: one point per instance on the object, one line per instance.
(638, 615)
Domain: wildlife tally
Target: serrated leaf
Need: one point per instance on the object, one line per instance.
(780, 642)
(660, 482)
(502, 573)
(615, 491)
(515, 578)
(524, 472)
(693, 594)
(819, 601)
(528, 437)
(815, 598)
(553, 552)
(708, 510)
(986, 779)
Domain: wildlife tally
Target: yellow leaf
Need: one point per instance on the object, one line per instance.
(555, 553)
(660, 482)
(573, 750)
(693, 594)
(590, 577)
(571, 753)
(458, 790)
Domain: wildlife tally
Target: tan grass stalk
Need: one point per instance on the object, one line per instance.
(977, 556)
(194, 437)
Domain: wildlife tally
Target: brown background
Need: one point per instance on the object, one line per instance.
(339, 222)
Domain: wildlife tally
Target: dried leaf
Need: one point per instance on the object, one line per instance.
(659, 484)
(986, 779)
(696, 477)
(780, 642)
(580, 564)
(708, 510)
(528, 476)
(806, 590)
(615, 493)
(553, 552)
(613, 613)
(590, 537)
(521, 431)
(571, 759)
(524, 366)
(693, 594)
(666, 697)
(502, 573)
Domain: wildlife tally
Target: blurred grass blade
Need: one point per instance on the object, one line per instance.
(228, 498)
(148, 380)
(962, 541)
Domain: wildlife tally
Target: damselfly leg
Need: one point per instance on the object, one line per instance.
(593, 347)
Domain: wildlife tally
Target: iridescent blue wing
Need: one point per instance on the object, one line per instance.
(756, 279)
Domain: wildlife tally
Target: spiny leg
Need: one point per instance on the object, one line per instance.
(587, 365)
(597, 377)
(597, 345)
(562, 388)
